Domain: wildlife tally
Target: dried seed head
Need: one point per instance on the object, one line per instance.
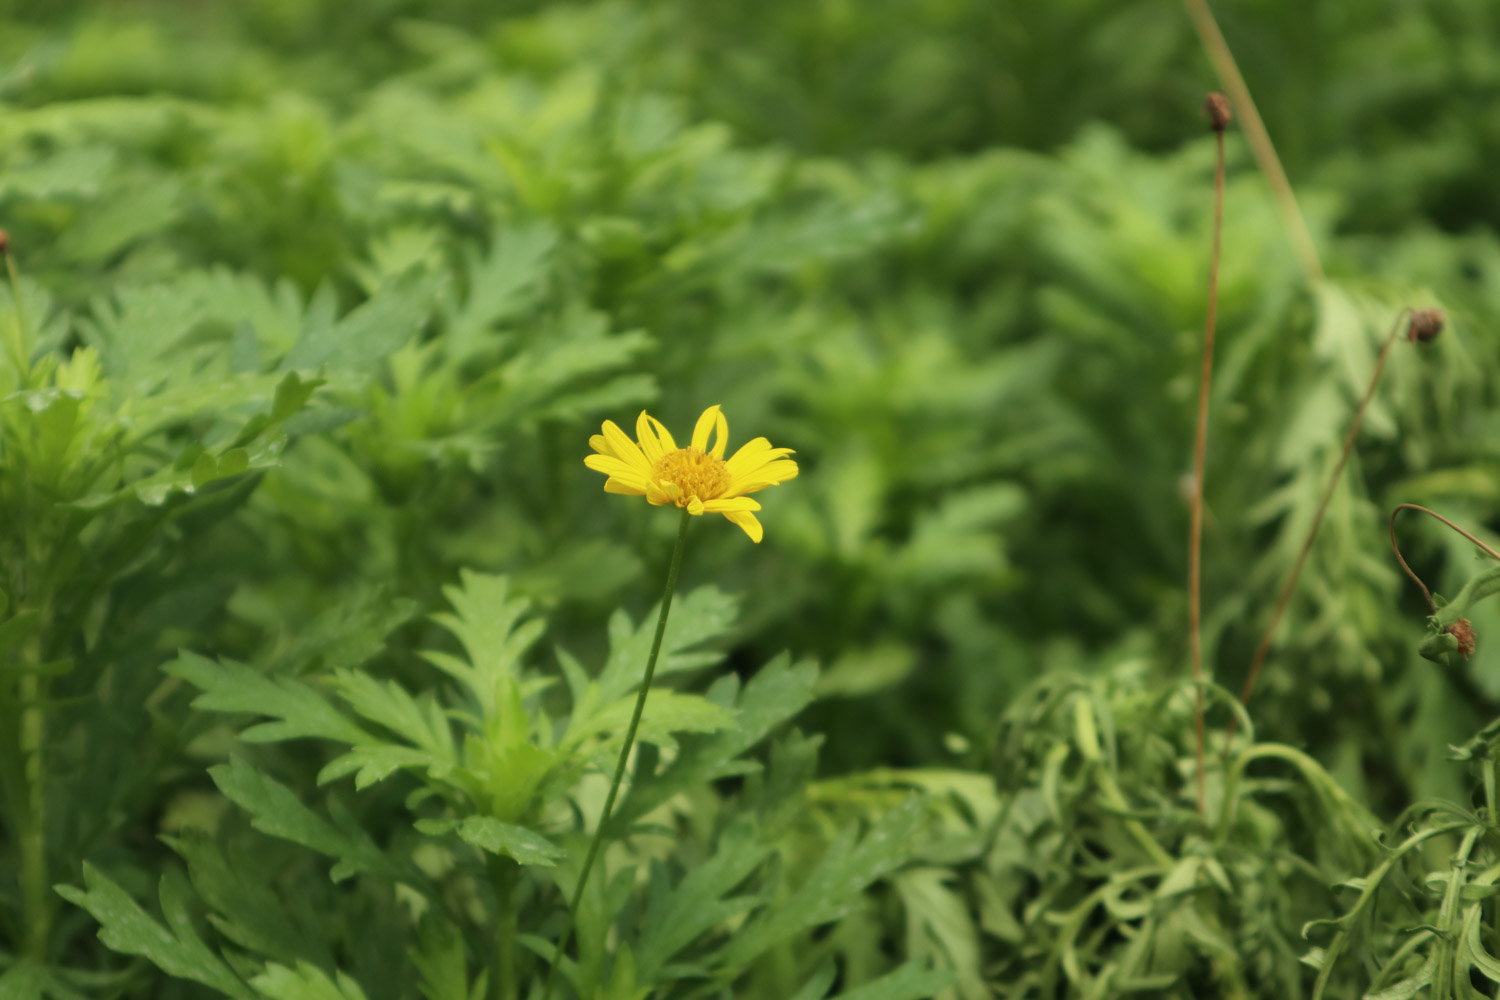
(1426, 324)
(1464, 633)
(4, 243)
(1217, 109)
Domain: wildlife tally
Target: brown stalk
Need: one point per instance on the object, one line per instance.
(1255, 134)
(1285, 597)
(1218, 113)
(1430, 513)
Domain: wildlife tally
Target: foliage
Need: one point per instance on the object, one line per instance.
(314, 305)
(487, 811)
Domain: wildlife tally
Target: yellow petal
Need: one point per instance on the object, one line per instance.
(649, 443)
(663, 435)
(771, 474)
(694, 506)
(625, 449)
(617, 469)
(753, 454)
(655, 496)
(600, 445)
(711, 420)
(613, 485)
(729, 504)
(721, 439)
(748, 523)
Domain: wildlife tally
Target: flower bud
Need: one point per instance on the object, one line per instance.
(1216, 106)
(1425, 325)
(1464, 633)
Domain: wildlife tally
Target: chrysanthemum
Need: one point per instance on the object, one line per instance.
(697, 478)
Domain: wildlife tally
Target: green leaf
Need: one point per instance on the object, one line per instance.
(438, 956)
(392, 317)
(292, 394)
(1480, 586)
(345, 635)
(505, 839)
(17, 627)
(821, 982)
(502, 283)
(705, 613)
(1473, 945)
(300, 710)
(128, 929)
(939, 926)
(373, 763)
(388, 704)
(248, 912)
(665, 713)
(557, 376)
(306, 982)
(1406, 988)
(676, 916)
(775, 694)
(833, 887)
(122, 220)
(910, 982)
(489, 622)
(276, 811)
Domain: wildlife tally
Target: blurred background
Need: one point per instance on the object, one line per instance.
(952, 251)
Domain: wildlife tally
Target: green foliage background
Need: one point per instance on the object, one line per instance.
(321, 301)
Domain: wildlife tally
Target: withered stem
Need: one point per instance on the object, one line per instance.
(1255, 134)
(1200, 440)
(1430, 513)
(1264, 648)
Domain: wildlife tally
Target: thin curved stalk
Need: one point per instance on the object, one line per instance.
(630, 731)
(1430, 513)
(1200, 440)
(1264, 648)
(1259, 139)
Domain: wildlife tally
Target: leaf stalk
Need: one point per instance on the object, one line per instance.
(620, 765)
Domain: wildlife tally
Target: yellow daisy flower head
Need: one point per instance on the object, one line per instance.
(698, 477)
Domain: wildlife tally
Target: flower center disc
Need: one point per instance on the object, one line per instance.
(695, 473)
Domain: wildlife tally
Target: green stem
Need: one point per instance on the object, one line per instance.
(504, 874)
(35, 899)
(635, 723)
(1489, 819)
(15, 345)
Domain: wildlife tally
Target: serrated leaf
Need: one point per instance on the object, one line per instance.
(817, 987)
(489, 623)
(503, 282)
(506, 839)
(440, 961)
(1406, 988)
(390, 318)
(834, 886)
(939, 926)
(1473, 946)
(665, 713)
(275, 811)
(246, 910)
(775, 694)
(306, 982)
(388, 704)
(300, 710)
(373, 763)
(130, 930)
(676, 916)
(703, 614)
(910, 982)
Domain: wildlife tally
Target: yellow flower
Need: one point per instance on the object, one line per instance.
(697, 477)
